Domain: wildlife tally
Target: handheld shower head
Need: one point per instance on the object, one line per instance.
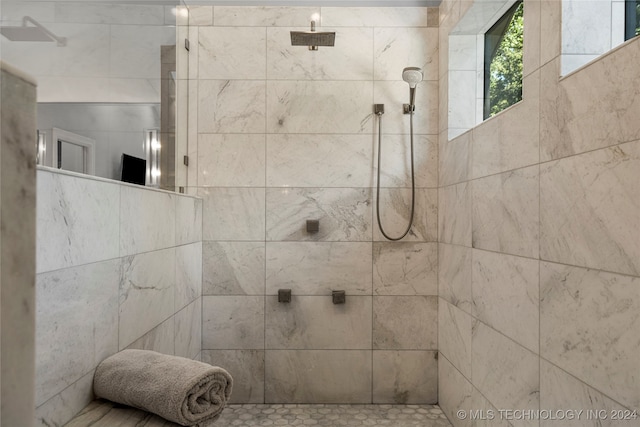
(413, 76)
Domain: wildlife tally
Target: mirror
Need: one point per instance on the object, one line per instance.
(106, 76)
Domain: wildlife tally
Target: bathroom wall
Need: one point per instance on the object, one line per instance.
(540, 240)
(17, 246)
(118, 266)
(280, 134)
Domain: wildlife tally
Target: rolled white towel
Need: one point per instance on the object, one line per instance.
(181, 390)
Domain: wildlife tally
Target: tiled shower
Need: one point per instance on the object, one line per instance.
(285, 135)
(517, 288)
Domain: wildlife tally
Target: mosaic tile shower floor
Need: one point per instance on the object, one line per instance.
(101, 413)
(333, 415)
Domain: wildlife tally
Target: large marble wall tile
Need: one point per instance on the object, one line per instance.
(405, 377)
(506, 212)
(487, 415)
(232, 53)
(588, 327)
(233, 268)
(76, 324)
(454, 336)
(263, 16)
(188, 274)
(192, 66)
(231, 106)
(550, 30)
(350, 59)
(231, 160)
(405, 323)
(531, 33)
(77, 221)
(200, 16)
(454, 157)
(344, 213)
(160, 339)
(319, 161)
(61, 408)
(574, 120)
(397, 48)
(319, 107)
(578, 15)
(395, 168)
(232, 322)
(188, 330)
(395, 209)
(247, 369)
(504, 143)
(315, 322)
(147, 289)
(135, 49)
(455, 393)
(405, 268)
(589, 209)
(462, 52)
(317, 268)
(561, 392)
(454, 214)
(454, 275)
(188, 220)
(506, 295)
(126, 14)
(321, 376)
(147, 220)
(395, 93)
(376, 16)
(233, 213)
(462, 106)
(15, 10)
(505, 373)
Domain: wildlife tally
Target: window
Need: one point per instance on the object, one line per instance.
(632, 19)
(503, 61)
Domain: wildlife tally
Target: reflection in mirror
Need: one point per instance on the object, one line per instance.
(112, 81)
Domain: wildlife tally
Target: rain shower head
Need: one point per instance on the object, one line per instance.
(37, 33)
(413, 76)
(312, 38)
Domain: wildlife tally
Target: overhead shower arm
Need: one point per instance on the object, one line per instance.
(61, 41)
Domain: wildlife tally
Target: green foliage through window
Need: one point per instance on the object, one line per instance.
(632, 24)
(503, 61)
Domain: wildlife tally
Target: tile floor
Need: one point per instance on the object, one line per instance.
(101, 413)
(333, 415)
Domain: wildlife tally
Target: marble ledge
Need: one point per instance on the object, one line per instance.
(18, 73)
(110, 181)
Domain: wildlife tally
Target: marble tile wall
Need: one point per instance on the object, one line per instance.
(118, 266)
(539, 242)
(606, 22)
(17, 246)
(283, 135)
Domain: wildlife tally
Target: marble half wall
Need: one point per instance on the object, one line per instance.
(118, 266)
(17, 246)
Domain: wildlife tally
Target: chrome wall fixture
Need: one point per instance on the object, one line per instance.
(35, 33)
(313, 38)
